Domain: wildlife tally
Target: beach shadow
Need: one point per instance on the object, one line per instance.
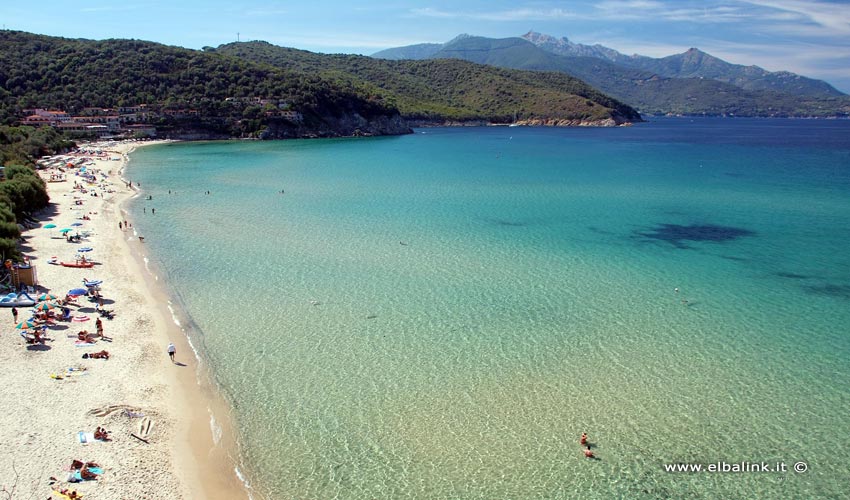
(679, 236)
(179, 363)
(38, 347)
(49, 211)
(58, 327)
(87, 309)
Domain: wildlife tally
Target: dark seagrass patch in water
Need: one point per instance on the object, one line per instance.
(679, 235)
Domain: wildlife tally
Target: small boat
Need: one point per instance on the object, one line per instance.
(17, 300)
(91, 283)
(77, 264)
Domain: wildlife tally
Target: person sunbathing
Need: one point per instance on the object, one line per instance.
(97, 355)
(85, 336)
(72, 494)
(101, 434)
(37, 335)
(86, 473)
(78, 464)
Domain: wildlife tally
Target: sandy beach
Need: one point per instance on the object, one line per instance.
(161, 444)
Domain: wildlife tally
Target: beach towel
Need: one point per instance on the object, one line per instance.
(81, 343)
(61, 496)
(76, 476)
(79, 477)
(85, 437)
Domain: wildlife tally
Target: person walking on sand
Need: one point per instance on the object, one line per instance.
(15, 314)
(171, 351)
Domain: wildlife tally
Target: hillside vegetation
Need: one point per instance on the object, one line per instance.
(22, 191)
(450, 89)
(647, 91)
(50, 72)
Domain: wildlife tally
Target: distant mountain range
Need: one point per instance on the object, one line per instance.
(693, 82)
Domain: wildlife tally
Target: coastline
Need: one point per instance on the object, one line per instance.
(162, 447)
(210, 454)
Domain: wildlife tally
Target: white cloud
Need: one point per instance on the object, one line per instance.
(611, 10)
(833, 19)
(505, 15)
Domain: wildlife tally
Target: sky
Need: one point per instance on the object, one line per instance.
(808, 37)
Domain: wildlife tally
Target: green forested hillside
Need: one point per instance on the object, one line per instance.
(50, 72)
(450, 89)
(22, 191)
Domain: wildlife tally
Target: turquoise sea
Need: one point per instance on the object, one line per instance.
(441, 315)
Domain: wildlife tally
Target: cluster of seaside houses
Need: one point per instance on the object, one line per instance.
(100, 122)
(136, 120)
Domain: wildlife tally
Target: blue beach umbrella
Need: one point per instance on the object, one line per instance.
(49, 226)
(85, 249)
(77, 291)
(65, 230)
(75, 224)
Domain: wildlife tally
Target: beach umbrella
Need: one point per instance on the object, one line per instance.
(75, 224)
(49, 226)
(44, 306)
(24, 325)
(65, 230)
(77, 291)
(47, 296)
(85, 249)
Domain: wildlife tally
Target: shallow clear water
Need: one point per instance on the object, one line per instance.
(440, 315)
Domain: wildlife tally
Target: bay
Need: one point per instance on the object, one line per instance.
(441, 315)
